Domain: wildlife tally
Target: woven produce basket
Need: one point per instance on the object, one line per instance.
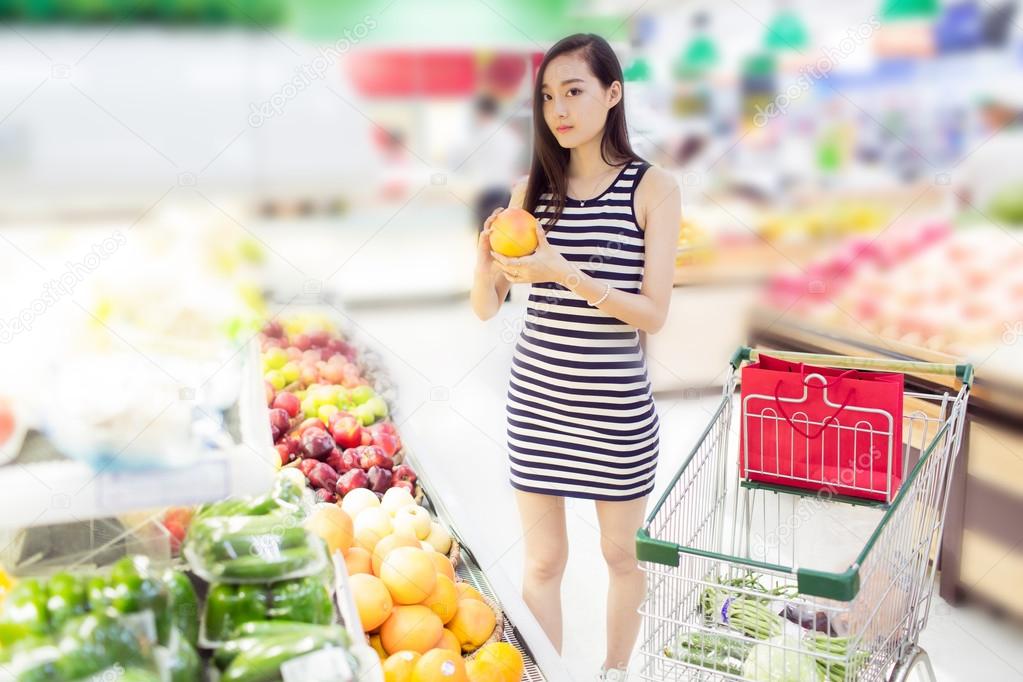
(498, 632)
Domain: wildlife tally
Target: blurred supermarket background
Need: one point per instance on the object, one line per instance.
(171, 170)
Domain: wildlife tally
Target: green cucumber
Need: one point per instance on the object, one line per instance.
(262, 662)
(256, 567)
(250, 634)
(237, 546)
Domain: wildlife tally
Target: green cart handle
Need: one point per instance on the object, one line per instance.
(963, 372)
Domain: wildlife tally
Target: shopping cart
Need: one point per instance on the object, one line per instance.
(756, 582)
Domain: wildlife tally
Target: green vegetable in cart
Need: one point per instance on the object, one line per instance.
(262, 662)
(230, 606)
(182, 604)
(67, 598)
(26, 605)
(306, 600)
(724, 653)
(182, 660)
(778, 660)
(134, 588)
(250, 634)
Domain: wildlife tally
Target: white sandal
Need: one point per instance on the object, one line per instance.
(613, 675)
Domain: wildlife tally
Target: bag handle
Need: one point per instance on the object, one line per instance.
(825, 384)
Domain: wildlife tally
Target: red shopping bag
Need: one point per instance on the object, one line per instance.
(821, 428)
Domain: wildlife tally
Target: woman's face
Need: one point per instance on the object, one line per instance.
(575, 103)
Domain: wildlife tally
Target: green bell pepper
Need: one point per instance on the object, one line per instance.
(97, 590)
(26, 605)
(94, 642)
(183, 605)
(134, 588)
(229, 606)
(67, 598)
(304, 600)
(183, 664)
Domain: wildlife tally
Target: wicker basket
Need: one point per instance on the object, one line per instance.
(455, 553)
(496, 635)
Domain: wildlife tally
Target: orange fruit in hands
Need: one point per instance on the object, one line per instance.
(513, 233)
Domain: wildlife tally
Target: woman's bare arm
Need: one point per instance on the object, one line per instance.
(489, 285)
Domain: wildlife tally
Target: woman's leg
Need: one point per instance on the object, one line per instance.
(626, 583)
(546, 543)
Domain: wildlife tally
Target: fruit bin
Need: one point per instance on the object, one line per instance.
(375, 371)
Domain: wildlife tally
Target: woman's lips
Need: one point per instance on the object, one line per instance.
(562, 129)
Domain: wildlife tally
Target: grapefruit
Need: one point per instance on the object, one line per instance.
(386, 545)
(443, 600)
(439, 665)
(409, 574)
(448, 642)
(358, 560)
(415, 628)
(398, 667)
(473, 623)
(333, 525)
(505, 658)
(467, 591)
(483, 671)
(372, 600)
(513, 233)
(443, 565)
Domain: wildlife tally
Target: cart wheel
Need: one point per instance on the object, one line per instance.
(904, 668)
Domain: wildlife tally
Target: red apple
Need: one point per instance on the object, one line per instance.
(350, 480)
(346, 430)
(403, 472)
(323, 476)
(324, 495)
(387, 442)
(288, 402)
(306, 466)
(317, 443)
(379, 479)
(284, 452)
(279, 418)
(371, 456)
(312, 422)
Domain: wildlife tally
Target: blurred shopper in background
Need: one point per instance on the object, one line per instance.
(491, 157)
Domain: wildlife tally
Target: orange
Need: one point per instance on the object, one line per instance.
(503, 657)
(415, 628)
(467, 591)
(473, 623)
(513, 233)
(449, 642)
(398, 667)
(333, 525)
(357, 560)
(443, 565)
(443, 600)
(409, 574)
(371, 599)
(384, 547)
(483, 671)
(438, 665)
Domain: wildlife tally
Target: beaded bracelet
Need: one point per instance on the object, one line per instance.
(607, 292)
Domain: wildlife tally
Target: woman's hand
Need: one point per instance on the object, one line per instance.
(543, 265)
(484, 260)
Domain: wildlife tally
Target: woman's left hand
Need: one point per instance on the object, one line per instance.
(543, 265)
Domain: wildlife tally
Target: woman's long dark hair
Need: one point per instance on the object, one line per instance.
(548, 171)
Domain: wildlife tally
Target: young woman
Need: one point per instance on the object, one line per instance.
(581, 418)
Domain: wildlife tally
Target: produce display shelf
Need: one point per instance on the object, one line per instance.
(42, 487)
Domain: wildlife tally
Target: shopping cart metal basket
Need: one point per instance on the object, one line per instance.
(755, 582)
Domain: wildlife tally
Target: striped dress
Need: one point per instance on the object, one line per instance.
(581, 417)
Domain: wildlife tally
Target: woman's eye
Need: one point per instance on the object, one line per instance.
(546, 97)
(574, 91)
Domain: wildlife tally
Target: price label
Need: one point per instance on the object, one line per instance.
(325, 665)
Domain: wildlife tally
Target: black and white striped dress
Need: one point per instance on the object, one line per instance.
(581, 417)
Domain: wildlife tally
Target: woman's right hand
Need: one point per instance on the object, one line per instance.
(484, 260)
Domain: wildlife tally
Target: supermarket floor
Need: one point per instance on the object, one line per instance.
(452, 373)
